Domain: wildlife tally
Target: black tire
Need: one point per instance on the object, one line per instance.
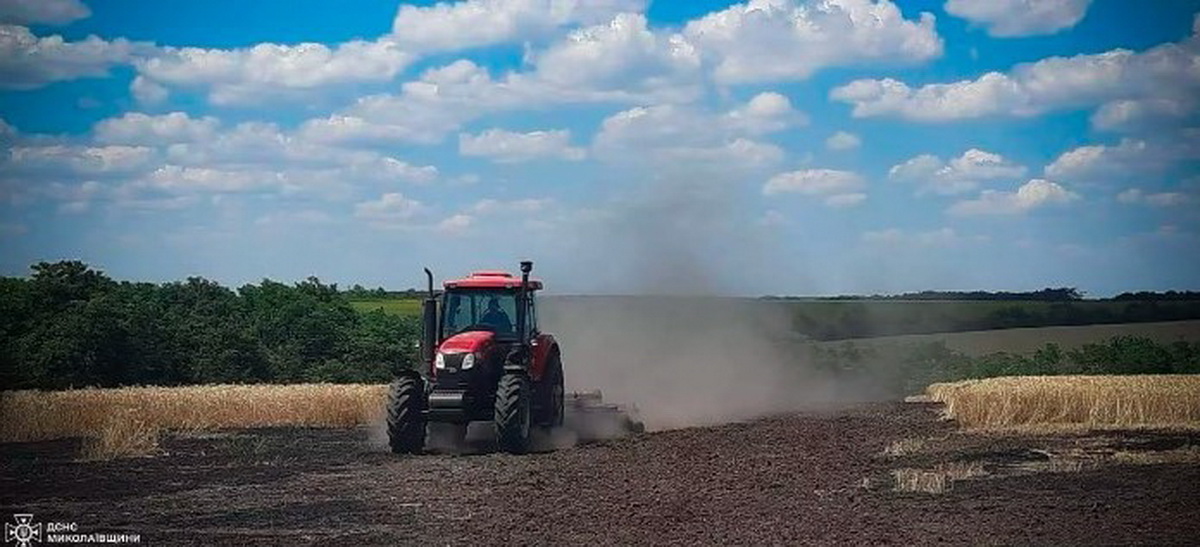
(405, 415)
(512, 414)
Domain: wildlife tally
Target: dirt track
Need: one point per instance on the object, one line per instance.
(808, 478)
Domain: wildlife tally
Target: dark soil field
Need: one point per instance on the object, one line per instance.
(819, 477)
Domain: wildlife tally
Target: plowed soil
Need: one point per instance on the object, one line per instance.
(816, 477)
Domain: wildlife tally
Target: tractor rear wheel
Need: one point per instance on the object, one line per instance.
(553, 394)
(512, 414)
(405, 415)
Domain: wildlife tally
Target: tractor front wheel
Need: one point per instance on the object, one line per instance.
(512, 414)
(405, 415)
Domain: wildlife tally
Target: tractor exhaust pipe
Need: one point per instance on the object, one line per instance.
(429, 325)
(520, 356)
(523, 305)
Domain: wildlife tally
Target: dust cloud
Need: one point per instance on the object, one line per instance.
(685, 361)
(683, 351)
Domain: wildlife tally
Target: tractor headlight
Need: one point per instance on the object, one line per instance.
(468, 361)
(439, 362)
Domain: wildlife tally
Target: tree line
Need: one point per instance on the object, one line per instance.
(1060, 294)
(1150, 296)
(69, 325)
(864, 319)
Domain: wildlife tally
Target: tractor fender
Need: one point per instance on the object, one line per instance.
(544, 348)
(514, 363)
(517, 360)
(549, 357)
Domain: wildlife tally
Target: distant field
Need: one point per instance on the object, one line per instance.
(396, 306)
(1027, 340)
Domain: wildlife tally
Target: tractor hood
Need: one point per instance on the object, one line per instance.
(474, 341)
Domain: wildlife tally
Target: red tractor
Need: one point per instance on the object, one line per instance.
(486, 361)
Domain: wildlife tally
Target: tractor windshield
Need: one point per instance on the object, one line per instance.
(480, 309)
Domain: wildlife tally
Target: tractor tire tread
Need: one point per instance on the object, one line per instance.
(512, 413)
(405, 420)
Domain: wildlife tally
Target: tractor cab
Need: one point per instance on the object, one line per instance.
(489, 301)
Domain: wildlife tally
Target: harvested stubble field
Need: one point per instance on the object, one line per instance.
(1073, 402)
(127, 421)
(864, 474)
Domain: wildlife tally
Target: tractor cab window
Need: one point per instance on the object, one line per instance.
(480, 309)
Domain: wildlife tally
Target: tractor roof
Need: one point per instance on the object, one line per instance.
(490, 279)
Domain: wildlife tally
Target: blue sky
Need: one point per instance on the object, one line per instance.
(768, 147)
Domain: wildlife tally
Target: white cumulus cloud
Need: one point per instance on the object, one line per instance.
(959, 175)
(1032, 195)
(669, 134)
(1162, 80)
(147, 92)
(78, 159)
(764, 113)
(188, 180)
(455, 224)
(51, 12)
(1139, 115)
(271, 72)
(390, 210)
(510, 147)
(779, 40)
(383, 168)
(153, 130)
(842, 140)
(815, 182)
(667, 124)
(1100, 163)
(622, 61)
(1007, 18)
(448, 26)
(28, 61)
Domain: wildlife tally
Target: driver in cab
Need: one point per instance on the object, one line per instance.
(495, 317)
